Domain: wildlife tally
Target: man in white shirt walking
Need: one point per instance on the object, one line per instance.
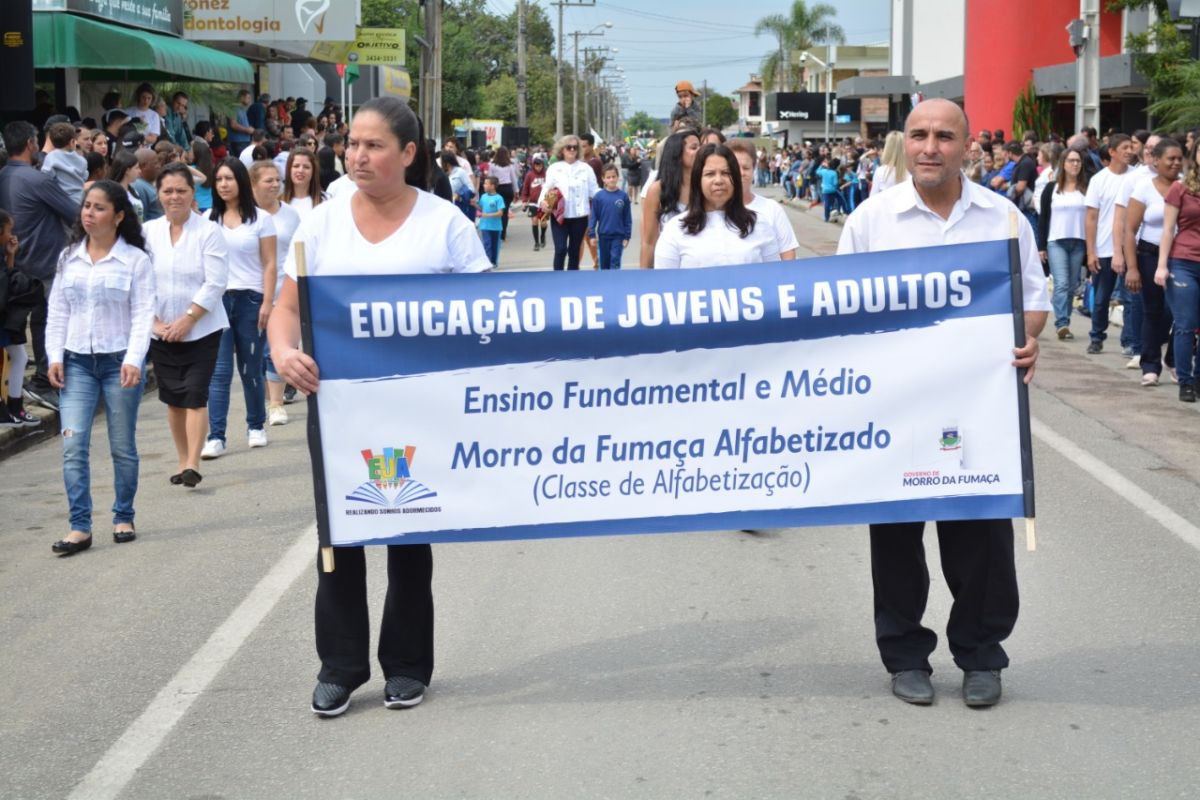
(1102, 193)
(937, 206)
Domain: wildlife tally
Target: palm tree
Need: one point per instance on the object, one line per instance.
(800, 29)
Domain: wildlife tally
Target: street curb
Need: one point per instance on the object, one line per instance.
(18, 440)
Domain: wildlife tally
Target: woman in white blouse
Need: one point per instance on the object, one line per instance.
(575, 182)
(101, 311)
(1061, 218)
(1143, 235)
(249, 295)
(190, 271)
(717, 229)
(891, 169)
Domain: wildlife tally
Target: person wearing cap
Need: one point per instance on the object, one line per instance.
(685, 114)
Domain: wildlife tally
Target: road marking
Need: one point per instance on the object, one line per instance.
(1138, 497)
(117, 767)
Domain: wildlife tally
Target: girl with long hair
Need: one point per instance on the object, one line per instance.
(891, 169)
(250, 240)
(301, 184)
(505, 173)
(125, 170)
(100, 315)
(668, 194)
(1061, 234)
(203, 171)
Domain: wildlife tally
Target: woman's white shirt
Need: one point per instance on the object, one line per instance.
(436, 237)
(105, 307)
(576, 182)
(719, 244)
(245, 258)
(286, 220)
(193, 270)
(770, 213)
(303, 205)
(885, 178)
(1147, 194)
(1067, 215)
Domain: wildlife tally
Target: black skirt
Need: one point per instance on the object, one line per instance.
(184, 369)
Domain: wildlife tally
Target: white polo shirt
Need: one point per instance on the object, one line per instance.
(898, 220)
(1103, 189)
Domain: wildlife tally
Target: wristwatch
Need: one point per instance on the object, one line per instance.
(190, 313)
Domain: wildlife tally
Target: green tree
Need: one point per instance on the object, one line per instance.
(1163, 55)
(800, 29)
(641, 121)
(720, 111)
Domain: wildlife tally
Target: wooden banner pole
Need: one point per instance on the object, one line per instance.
(1019, 336)
(316, 453)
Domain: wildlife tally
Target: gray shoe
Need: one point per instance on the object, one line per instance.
(981, 687)
(913, 686)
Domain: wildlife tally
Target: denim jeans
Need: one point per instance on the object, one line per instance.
(1156, 317)
(1131, 304)
(567, 238)
(243, 337)
(1065, 257)
(610, 251)
(832, 201)
(90, 376)
(1103, 283)
(491, 245)
(1183, 295)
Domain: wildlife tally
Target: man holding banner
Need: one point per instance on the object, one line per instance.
(938, 206)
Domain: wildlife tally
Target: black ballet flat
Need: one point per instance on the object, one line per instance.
(65, 547)
(189, 478)
(121, 537)
(177, 479)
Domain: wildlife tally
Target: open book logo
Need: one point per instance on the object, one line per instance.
(389, 482)
(307, 12)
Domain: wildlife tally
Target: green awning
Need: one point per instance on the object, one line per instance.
(103, 51)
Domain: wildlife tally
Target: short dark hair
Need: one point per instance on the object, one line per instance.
(259, 135)
(1142, 135)
(587, 137)
(177, 168)
(334, 138)
(610, 167)
(1013, 147)
(17, 136)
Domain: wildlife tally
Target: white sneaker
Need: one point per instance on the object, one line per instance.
(213, 448)
(1134, 363)
(1149, 379)
(277, 415)
(257, 438)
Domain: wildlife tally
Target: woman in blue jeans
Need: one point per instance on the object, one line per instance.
(101, 313)
(1179, 270)
(1061, 235)
(249, 294)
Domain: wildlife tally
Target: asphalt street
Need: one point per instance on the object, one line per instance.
(723, 665)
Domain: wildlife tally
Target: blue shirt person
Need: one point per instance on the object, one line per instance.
(491, 224)
(611, 221)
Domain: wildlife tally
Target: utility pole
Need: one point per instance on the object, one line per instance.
(433, 10)
(704, 106)
(558, 66)
(521, 78)
(1087, 91)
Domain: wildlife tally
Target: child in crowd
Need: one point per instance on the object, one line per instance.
(827, 173)
(19, 293)
(611, 221)
(491, 208)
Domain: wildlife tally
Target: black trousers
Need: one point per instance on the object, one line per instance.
(1156, 314)
(37, 338)
(979, 565)
(505, 190)
(343, 624)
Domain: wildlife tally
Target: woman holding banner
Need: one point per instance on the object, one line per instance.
(717, 229)
(386, 227)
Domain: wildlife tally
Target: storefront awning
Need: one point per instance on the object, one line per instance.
(110, 52)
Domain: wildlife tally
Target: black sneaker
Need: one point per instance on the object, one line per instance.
(24, 418)
(1094, 347)
(1187, 393)
(403, 692)
(330, 700)
(289, 395)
